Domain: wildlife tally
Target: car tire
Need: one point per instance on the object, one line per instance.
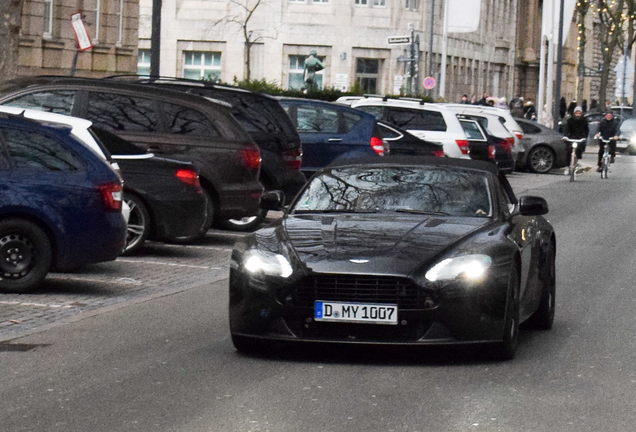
(543, 317)
(138, 224)
(541, 160)
(507, 348)
(25, 255)
(247, 224)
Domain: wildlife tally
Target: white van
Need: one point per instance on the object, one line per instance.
(431, 122)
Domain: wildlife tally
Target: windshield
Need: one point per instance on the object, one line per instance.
(424, 190)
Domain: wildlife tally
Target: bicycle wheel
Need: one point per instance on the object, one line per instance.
(573, 172)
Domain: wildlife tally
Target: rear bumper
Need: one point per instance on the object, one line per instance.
(239, 201)
(178, 218)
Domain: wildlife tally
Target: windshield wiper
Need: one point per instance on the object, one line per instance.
(424, 212)
(335, 211)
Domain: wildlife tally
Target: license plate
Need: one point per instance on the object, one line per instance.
(366, 313)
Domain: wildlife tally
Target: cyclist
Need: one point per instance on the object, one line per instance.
(575, 128)
(608, 130)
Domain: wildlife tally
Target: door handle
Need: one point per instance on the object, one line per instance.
(335, 140)
(153, 149)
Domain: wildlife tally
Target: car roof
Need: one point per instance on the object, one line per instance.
(20, 84)
(418, 161)
(324, 103)
(403, 103)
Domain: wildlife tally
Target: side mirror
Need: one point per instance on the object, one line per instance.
(273, 200)
(532, 206)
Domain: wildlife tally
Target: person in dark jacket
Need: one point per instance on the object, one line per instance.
(608, 130)
(576, 128)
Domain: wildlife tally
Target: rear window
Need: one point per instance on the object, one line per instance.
(316, 119)
(529, 129)
(417, 119)
(122, 112)
(472, 130)
(35, 151)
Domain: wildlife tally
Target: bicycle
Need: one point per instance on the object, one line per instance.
(606, 159)
(574, 161)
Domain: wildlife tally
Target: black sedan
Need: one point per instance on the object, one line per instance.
(402, 251)
(165, 197)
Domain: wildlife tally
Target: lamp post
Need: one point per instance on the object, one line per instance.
(559, 70)
(155, 38)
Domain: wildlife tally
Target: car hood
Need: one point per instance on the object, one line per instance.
(368, 244)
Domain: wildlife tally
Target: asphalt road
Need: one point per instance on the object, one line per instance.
(163, 360)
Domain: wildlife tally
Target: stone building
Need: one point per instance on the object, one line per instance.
(202, 39)
(48, 46)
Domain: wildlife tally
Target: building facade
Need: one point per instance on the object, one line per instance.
(208, 39)
(48, 44)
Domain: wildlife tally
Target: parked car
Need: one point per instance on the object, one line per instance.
(627, 142)
(543, 148)
(267, 124)
(510, 129)
(166, 123)
(484, 146)
(60, 204)
(165, 196)
(430, 122)
(402, 251)
(403, 143)
(331, 132)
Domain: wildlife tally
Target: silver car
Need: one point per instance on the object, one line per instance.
(543, 148)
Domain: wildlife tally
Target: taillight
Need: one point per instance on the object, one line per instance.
(463, 146)
(111, 195)
(491, 151)
(251, 158)
(293, 158)
(518, 134)
(438, 153)
(188, 176)
(507, 145)
(377, 145)
(511, 141)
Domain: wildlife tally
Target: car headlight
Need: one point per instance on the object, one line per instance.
(471, 267)
(268, 263)
(632, 140)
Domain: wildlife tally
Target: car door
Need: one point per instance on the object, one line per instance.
(328, 133)
(478, 147)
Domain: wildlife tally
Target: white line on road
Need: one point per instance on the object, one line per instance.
(15, 303)
(134, 261)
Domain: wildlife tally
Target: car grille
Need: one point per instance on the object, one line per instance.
(357, 288)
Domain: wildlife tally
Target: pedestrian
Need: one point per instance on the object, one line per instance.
(594, 107)
(529, 112)
(516, 107)
(571, 107)
(473, 100)
(503, 103)
(464, 100)
(584, 106)
(562, 107)
(484, 99)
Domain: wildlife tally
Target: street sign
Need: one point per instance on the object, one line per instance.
(81, 35)
(429, 83)
(399, 40)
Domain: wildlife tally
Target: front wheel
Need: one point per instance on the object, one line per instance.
(25, 255)
(543, 317)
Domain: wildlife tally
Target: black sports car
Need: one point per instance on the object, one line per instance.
(165, 197)
(401, 251)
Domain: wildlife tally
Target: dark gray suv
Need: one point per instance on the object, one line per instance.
(164, 122)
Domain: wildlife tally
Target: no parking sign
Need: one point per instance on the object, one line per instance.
(429, 83)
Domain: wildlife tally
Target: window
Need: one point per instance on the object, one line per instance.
(121, 113)
(201, 65)
(297, 73)
(317, 119)
(55, 101)
(186, 121)
(377, 111)
(120, 26)
(143, 62)
(374, 3)
(48, 18)
(98, 13)
(417, 119)
(35, 151)
(472, 130)
(412, 4)
(367, 71)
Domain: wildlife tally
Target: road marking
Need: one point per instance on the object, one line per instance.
(174, 246)
(15, 303)
(134, 261)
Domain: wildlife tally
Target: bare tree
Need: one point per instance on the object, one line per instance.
(611, 36)
(10, 23)
(246, 11)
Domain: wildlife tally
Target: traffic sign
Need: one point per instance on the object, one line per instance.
(399, 40)
(429, 83)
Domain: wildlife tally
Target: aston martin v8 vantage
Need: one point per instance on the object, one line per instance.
(402, 251)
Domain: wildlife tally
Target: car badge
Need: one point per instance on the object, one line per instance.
(359, 261)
